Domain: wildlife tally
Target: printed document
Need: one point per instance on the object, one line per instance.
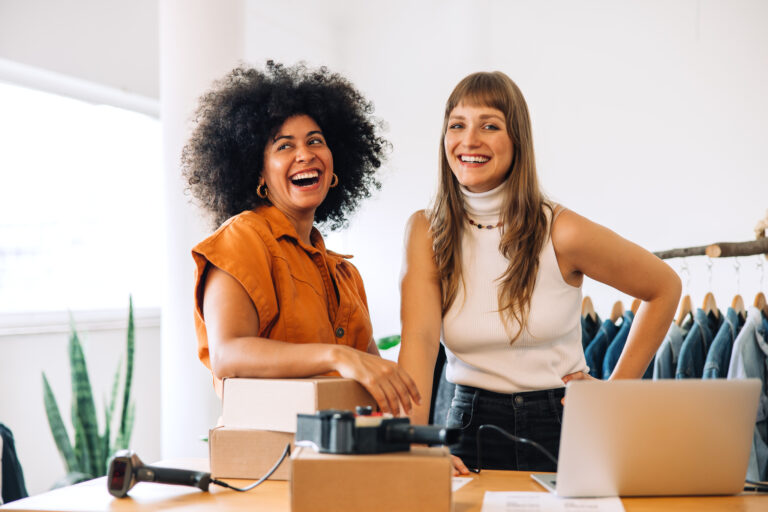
(546, 502)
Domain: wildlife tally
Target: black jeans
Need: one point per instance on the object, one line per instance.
(534, 415)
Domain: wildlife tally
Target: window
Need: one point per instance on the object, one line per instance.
(80, 204)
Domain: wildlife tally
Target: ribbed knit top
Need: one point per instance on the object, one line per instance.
(476, 338)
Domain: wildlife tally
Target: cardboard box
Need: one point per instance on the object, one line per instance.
(419, 480)
(272, 404)
(248, 453)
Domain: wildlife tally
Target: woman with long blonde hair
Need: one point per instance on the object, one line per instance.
(494, 269)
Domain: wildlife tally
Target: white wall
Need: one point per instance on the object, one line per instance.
(109, 42)
(649, 117)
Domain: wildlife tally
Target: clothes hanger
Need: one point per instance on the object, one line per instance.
(587, 309)
(738, 306)
(617, 311)
(761, 303)
(635, 306)
(709, 305)
(686, 308)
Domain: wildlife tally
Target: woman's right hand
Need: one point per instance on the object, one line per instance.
(392, 388)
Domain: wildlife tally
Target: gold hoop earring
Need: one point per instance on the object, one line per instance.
(262, 191)
(334, 180)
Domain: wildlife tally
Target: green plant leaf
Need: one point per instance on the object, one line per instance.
(124, 439)
(129, 423)
(129, 349)
(105, 438)
(110, 409)
(78, 446)
(388, 342)
(84, 409)
(81, 448)
(58, 430)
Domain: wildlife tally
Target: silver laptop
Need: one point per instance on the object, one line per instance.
(655, 438)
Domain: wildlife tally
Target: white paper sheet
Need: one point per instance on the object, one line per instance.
(459, 481)
(546, 502)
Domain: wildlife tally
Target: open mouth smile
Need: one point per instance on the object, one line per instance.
(306, 178)
(474, 159)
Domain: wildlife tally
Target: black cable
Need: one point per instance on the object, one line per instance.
(286, 452)
(512, 438)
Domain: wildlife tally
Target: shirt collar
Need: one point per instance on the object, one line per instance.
(281, 227)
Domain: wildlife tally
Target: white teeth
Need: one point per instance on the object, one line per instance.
(305, 175)
(474, 159)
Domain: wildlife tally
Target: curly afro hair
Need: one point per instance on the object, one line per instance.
(224, 157)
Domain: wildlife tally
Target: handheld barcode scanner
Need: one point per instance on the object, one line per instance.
(126, 470)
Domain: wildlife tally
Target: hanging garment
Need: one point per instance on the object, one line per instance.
(749, 359)
(719, 353)
(589, 329)
(13, 487)
(694, 350)
(665, 362)
(613, 352)
(595, 352)
(442, 391)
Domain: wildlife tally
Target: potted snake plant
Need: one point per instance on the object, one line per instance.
(87, 453)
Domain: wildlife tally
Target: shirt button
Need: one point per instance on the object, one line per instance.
(339, 332)
(518, 400)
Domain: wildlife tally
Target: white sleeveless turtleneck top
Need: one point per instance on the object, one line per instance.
(476, 339)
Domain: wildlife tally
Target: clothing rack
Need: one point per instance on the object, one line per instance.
(725, 249)
(719, 250)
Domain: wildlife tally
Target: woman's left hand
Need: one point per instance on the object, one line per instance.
(576, 376)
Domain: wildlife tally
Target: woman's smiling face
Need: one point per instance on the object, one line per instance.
(298, 166)
(478, 147)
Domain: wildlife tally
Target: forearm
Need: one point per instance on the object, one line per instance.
(648, 330)
(266, 358)
(417, 357)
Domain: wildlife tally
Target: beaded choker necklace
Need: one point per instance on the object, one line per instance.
(484, 226)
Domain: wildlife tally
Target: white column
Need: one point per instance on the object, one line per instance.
(200, 40)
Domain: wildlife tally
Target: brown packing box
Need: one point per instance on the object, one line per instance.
(419, 480)
(272, 404)
(248, 453)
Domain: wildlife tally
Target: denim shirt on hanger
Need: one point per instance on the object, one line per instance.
(749, 359)
(613, 352)
(696, 344)
(596, 349)
(719, 353)
(589, 329)
(665, 363)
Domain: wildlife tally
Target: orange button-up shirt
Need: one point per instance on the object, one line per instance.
(291, 284)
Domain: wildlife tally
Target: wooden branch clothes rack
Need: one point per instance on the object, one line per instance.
(726, 249)
(719, 250)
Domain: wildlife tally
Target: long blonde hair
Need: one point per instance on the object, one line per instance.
(525, 221)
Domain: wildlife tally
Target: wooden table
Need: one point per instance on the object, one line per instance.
(92, 496)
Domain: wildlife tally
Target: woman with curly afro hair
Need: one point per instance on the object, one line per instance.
(272, 153)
